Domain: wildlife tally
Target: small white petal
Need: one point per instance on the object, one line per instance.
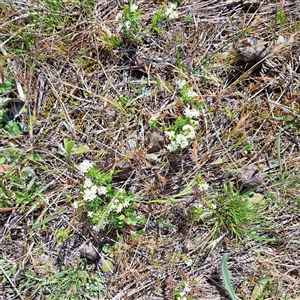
(102, 190)
(127, 24)
(192, 94)
(87, 183)
(180, 83)
(172, 147)
(96, 228)
(170, 134)
(171, 14)
(118, 16)
(133, 8)
(203, 187)
(281, 39)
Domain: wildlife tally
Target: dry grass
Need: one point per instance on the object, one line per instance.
(72, 79)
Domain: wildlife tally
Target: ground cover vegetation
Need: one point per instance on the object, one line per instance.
(149, 149)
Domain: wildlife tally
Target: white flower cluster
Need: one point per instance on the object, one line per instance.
(91, 191)
(119, 202)
(203, 187)
(118, 17)
(189, 131)
(182, 140)
(133, 7)
(191, 94)
(170, 12)
(180, 83)
(191, 113)
(185, 91)
(185, 291)
(85, 166)
(127, 24)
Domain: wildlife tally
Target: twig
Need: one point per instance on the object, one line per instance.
(11, 283)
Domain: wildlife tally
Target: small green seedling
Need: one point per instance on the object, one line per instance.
(69, 145)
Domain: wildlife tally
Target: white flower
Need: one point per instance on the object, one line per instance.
(194, 122)
(171, 14)
(172, 6)
(191, 135)
(191, 94)
(118, 208)
(203, 187)
(90, 194)
(102, 190)
(170, 134)
(127, 24)
(85, 166)
(96, 228)
(213, 206)
(280, 40)
(172, 147)
(188, 262)
(87, 183)
(113, 203)
(198, 205)
(182, 141)
(189, 131)
(187, 127)
(180, 83)
(75, 204)
(90, 214)
(133, 8)
(118, 16)
(186, 289)
(191, 113)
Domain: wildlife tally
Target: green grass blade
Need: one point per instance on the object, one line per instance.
(47, 219)
(225, 274)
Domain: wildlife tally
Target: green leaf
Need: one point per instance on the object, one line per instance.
(68, 146)
(6, 87)
(106, 266)
(14, 128)
(131, 219)
(81, 149)
(225, 274)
